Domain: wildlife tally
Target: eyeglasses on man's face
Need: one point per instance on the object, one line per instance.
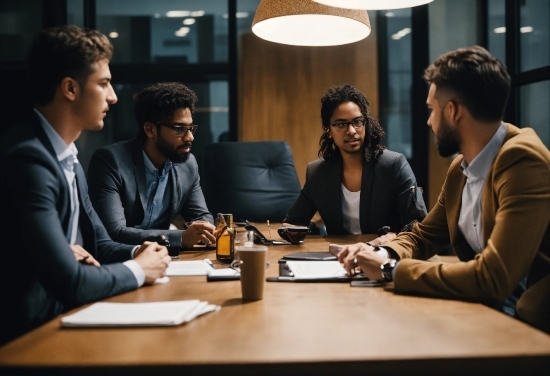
(357, 123)
(181, 130)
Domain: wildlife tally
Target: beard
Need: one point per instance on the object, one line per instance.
(172, 153)
(446, 139)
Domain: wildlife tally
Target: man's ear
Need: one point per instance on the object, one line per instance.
(455, 110)
(69, 88)
(150, 129)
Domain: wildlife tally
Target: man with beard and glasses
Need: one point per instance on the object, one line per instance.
(139, 186)
(494, 207)
(357, 185)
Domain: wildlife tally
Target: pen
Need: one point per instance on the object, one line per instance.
(269, 229)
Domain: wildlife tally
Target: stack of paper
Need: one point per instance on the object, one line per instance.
(316, 269)
(183, 268)
(138, 314)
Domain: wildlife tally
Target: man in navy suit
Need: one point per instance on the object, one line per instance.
(56, 253)
(139, 186)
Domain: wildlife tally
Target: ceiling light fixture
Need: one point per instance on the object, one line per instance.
(307, 23)
(374, 4)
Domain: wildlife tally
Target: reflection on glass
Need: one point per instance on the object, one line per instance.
(165, 31)
(497, 30)
(398, 113)
(534, 34)
(19, 21)
(535, 112)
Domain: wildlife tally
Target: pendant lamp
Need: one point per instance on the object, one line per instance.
(307, 23)
(373, 4)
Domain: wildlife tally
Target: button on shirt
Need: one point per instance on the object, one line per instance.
(158, 194)
(469, 221)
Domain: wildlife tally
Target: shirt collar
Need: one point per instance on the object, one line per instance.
(479, 167)
(61, 149)
(149, 166)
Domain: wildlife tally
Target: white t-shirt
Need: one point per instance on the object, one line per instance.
(350, 210)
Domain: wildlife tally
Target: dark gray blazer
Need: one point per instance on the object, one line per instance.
(117, 189)
(386, 195)
(39, 275)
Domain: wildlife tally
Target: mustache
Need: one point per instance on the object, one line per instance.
(185, 145)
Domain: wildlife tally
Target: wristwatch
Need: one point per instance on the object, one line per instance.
(387, 269)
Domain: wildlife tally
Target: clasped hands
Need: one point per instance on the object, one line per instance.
(364, 257)
(152, 257)
(198, 231)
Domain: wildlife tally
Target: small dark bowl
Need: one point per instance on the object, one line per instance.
(295, 235)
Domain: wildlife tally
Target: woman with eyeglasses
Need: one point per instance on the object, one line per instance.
(357, 185)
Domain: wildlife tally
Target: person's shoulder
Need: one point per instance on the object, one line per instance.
(523, 141)
(319, 165)
(118, 148)
(389, 158)
(20, 139)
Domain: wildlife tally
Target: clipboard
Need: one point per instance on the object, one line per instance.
(285, 275)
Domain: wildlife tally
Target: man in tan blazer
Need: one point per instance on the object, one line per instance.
(494, 207)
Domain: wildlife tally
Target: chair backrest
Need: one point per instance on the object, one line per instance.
(254, 181)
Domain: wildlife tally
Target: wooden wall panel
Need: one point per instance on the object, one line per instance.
(280, 89)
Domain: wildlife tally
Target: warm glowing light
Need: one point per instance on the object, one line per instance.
(373, 4)
(390, 14)
(113, 35)
(500, 30)
(306, 23)
(189, 21)
(198, 13)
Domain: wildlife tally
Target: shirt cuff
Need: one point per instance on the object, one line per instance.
(383, 252)
(136, 270)
(133, 253)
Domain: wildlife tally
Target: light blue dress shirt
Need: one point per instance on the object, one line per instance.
(158, 194)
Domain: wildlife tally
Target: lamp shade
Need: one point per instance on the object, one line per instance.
(373, 4)
(307, 23)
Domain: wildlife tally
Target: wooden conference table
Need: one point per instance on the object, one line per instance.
(298, 328)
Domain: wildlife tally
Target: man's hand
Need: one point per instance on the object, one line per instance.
(198, 231)
(363, 256)
(153, 259)
(83, 255)
(383, 239)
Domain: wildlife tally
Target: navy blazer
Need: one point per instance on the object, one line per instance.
(386, 195)
(119, 195)
(39, 275)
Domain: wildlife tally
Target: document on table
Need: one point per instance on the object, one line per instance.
(316, 269)
(138, 314)
(182, 268)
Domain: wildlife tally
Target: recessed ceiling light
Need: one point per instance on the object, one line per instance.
(189, 21)
(198, 13)
(113, 35)
(500, 30)
(178, 13)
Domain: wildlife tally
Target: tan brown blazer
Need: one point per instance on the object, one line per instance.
(515, 218)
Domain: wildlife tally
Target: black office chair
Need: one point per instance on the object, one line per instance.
(254, 181)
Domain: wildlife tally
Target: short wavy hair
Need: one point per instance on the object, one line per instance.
(157, 103)
(478, 80)
(63, 51)
(335, 96)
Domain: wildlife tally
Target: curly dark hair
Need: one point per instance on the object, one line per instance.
(479, 80)
(157, 103)
(335, 96)
(63, 51)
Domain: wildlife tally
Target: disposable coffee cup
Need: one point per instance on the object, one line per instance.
(252, 264)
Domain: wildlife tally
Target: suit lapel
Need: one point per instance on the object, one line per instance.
(367, 181)
(139, 170)
(176, 188)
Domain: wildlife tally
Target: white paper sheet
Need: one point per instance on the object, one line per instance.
(187, 268)
(138, 314)
(316, 269)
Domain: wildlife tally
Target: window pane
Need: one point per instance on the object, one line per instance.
(75, 13)
(535, 112)
(19, 21)
(497, 30)
(534, 40)
(398, 112)
(165, 31)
